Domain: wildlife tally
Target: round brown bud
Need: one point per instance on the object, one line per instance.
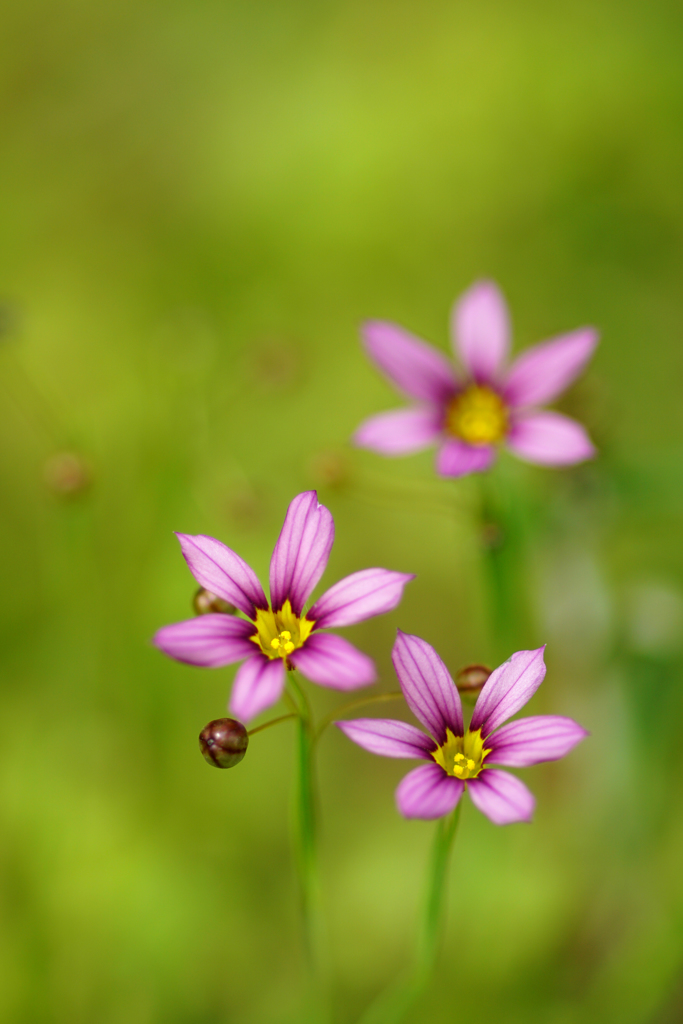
(204, 601)
(223, 742)
(471, 678)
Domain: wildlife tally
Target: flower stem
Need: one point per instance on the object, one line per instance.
(395, 1002)
(273, 721)
(306, 852)
(503, 532)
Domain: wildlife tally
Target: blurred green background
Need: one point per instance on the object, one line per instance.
(200, 203)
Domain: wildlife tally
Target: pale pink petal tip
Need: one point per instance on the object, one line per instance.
(481, 331)
(427, 686)
(358, 597)
(501, 797)
(550, 439)
(456, 458)
(301, 552)
(209, 641)
(258, 684)
(387, 737)
(223, 572)
(530, 741)
(543, 372)
(399, 432)
(416, 368)
(330, 660)
(427, 793)
(508, 689)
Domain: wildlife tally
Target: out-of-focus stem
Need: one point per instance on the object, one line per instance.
(306, 854)
(392, 1005)
(502, 534)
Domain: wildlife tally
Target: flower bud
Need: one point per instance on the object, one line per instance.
(204, 601)
(470, 679)
(66, 474)
(223, 742)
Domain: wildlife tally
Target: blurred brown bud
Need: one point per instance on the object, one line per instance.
(470, 679)
(491, 535)
(223, 742)
(330, 468)
(204, 601)
(66, 474)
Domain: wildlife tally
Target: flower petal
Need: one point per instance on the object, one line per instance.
(209, 640)
(501, 797)
(415, 367)
(258, 684)
(387, 737)
(301, 552)
(481, 331)
(401, 431)
(533, 740)
(427, 686)
(358, 597)
(507, 689)
(542, 372)
(550, 439)
(330, 660)
(218, 569)
(455, 458)
(427, 792)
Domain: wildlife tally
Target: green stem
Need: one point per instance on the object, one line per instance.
(503, 539)
(306, 851)
(392, 1005)
(273, 721)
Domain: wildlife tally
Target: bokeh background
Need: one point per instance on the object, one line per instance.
(200, 202)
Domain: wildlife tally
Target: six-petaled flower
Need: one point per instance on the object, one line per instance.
(470, 415)
(277, 635)
(459, 759)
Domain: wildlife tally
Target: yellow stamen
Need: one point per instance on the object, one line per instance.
(279, 633)
(478, 416)
(462, 756)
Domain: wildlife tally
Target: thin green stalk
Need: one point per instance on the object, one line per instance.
(272, 722)
(306, 852)
(502, 529)
(392, 1005)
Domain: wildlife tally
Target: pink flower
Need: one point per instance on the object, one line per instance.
(470, 415)
(278, 634)
(459, 759)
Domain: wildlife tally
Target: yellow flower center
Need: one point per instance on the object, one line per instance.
(280, 633)
(477, 415)
(462, 756)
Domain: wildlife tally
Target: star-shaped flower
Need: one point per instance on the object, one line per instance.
(458, 759)
(470, 414)
(277, 635)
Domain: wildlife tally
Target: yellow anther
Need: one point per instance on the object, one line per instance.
(470, 764)
(458, 769)
(275, 643)
(289, 646)
(285, 635)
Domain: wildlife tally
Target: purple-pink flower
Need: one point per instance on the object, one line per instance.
(278, 635)
(457, 759)
(469, 415)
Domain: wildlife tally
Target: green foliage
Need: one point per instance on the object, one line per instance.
(200, 202)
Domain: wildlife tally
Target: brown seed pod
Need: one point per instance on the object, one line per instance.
(224, 742)
(470, 679)
(204, 602)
